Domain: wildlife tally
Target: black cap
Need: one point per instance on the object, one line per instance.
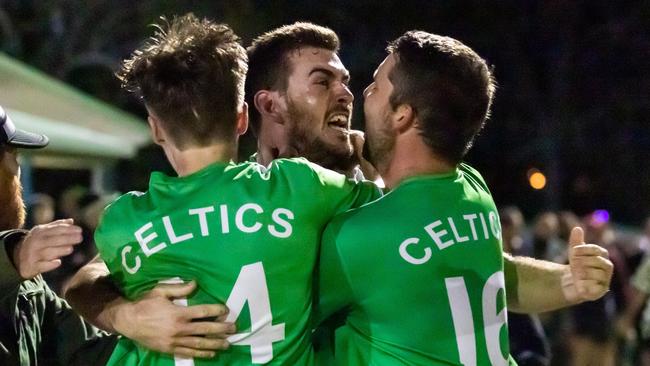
(10, 135)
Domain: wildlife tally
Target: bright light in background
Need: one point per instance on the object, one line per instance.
(600, 217)
(536, 179)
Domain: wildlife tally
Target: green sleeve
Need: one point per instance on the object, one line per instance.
(333, 291)
(9, 277)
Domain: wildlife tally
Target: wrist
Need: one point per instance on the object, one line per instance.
(117, 316)
(569, 290)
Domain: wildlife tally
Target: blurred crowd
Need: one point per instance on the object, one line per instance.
(610, 331)
(79, 204)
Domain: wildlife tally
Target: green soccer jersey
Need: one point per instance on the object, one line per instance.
(247, 234)
(418, 276)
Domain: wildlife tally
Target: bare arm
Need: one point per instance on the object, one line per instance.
(93, 295)
(535, 286)
(154, 320)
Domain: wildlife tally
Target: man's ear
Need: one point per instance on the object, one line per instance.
(242, 120)
(157, 134)
(403, 118)
(266, 104)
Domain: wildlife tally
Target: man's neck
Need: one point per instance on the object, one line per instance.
(412, 158)
(193, 159)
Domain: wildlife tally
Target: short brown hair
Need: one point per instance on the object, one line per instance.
(191, 73)
(268, 55)
(448, 85)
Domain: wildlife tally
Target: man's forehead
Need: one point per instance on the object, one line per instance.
(308, 58)
(385, 66)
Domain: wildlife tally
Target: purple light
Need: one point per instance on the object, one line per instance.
(600, 216)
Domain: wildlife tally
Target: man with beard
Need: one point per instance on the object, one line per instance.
(302, 107)
(300, 90)
(36, 326)
(441, 298)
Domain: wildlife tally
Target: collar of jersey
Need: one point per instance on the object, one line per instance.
(162, 178)
(453, 175)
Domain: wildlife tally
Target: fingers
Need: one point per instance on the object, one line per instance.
(592, 289)
(581, 263)
(204, 311)
(173, 291)
(220, 330)
(586, 250)
(192, 353)
(201, 343)
(46, 266)
(54, 234)
(597, 274)
(55, 252)
(577, 237)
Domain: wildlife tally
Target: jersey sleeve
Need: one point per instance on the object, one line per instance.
(333, 290)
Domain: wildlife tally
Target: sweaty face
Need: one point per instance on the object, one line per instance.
(318, 108)
(12, 214)
(380, 137)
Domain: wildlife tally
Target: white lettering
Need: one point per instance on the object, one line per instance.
(409, 258)
(280, 221)
(225, 227)
(172, 235)
(459, 239)
(492, 320)
(239, 218)
(470, 218)
(494, 225)
(485, 228)
(436, 236)
(132, 270)
(144, 241)
(203, 220)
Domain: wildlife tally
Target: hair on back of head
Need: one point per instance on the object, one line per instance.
(268, 55)
(449, 86)
(191, 74)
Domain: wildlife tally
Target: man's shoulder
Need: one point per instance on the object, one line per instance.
(472, 175)
(126, 200)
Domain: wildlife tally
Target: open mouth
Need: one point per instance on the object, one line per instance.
(339, 121)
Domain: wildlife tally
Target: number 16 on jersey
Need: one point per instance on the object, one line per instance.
(461, 312)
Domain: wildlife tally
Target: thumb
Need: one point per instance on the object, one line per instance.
(63, 221)
(174, 290)
(577, 237)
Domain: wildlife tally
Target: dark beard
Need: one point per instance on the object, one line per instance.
(339, 158)
(379, 146)
(12, 208)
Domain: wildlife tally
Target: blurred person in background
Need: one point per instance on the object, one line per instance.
(42, 209)
(74, 202)
(593, 338)
(528, 343)
(634, 324)
(68, 204)
(546, 242)
(36, 326)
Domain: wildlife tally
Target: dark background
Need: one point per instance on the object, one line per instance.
(574, 79)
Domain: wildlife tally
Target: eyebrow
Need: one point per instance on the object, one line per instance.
(329, 73)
